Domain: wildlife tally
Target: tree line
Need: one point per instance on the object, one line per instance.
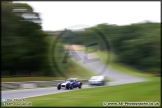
(137, 45)
(24, 46)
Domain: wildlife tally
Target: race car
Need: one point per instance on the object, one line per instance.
(70, 84)
(97, 80)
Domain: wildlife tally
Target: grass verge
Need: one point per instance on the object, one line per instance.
(78, 71)
(125, 69)
(137, 92)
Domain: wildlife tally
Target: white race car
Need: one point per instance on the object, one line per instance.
(97, 80)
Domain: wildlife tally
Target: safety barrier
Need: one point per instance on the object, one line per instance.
(32, 84)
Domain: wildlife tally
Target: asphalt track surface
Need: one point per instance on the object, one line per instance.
(95, 66)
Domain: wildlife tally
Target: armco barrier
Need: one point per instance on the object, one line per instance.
(32, 84)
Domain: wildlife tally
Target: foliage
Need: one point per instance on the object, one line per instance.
(137, 45)
(23, 41)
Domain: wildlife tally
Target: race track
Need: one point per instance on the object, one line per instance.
(96, 67)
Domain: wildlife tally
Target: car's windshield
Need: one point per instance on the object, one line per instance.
(94, 77)
(70, 80)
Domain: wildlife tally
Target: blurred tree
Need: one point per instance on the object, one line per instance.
(137, 45)
(23, 42)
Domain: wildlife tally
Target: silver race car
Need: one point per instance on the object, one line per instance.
(97, 80)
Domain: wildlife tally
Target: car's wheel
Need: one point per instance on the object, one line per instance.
(80, 86)
(59, 87)
(68, 86)
(103, 83)
(71, 86)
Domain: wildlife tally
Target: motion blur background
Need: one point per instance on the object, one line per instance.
(29, 33)
(133, 29)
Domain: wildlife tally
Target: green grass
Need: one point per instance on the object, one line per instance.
(137, 92)
(81, 72)
(129, 70)
(125, 69)
(78, 71)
